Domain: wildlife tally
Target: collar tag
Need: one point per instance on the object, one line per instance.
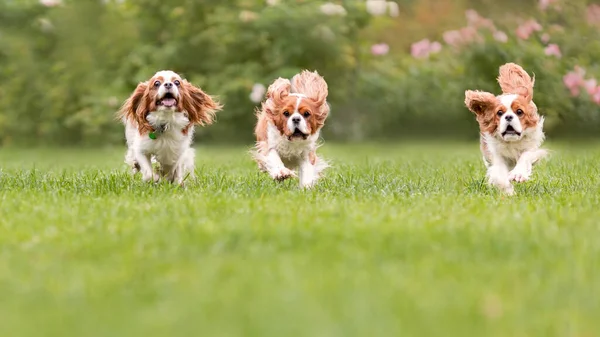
(157, 131)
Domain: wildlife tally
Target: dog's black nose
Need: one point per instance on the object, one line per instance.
(508, 118)
(168, 85)
(296, 120)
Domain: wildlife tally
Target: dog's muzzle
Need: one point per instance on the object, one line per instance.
(168, 100)
(510, 131)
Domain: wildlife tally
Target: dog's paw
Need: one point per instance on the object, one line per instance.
(308, 181)
(504, 186)
(519, 175)
(179, 181)
(135, 168)
(508, 190)
(283, 174)
(146, 177)
(308, 184)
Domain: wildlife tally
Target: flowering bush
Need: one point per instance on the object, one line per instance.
(552, 46)
(72, 63)
(68, 64)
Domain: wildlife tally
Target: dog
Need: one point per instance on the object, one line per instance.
(159, 118)
(511, 130)
(288, 126)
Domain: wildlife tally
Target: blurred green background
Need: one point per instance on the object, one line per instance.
(396, 69)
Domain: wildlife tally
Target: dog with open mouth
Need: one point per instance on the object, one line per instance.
(159, 117)
(511, 130)
(288, 128)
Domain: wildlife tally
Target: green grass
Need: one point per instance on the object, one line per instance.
(397, 240)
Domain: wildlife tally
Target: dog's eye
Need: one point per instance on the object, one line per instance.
(306, 113)
(519, 112)
(157, 84)
(286, 113)
(177, 83)
(499, 113)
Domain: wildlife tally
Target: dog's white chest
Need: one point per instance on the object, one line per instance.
(512, 151)
(290, 150)
(169, 142)
(532, 140)
(167, 147)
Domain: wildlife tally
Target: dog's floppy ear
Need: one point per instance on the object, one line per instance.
(479, 101)
(279, 90)
(136, 108)
(130, 106)
(513, 79)
(313, 85)
(201, 107)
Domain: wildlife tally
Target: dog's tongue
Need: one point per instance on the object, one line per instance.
(168, 102)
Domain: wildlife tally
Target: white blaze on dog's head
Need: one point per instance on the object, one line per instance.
(297, 120)
(510, 127)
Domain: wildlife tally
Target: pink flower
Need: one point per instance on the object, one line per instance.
(420, 49)
(590, 86)
(593, 90)
(465, 35)
(500, 36)
(435, 47)
(452, 38)
(593, 14)
(472, 16)
(380, 49)
(522, 33)
(424, 48)
(487, 23)
(469, 34)
(545, 38)
(553, 50)
(544, 4)
(527, 28)
(478, 21)
(535, 26)
(574, 80)
(596, 96)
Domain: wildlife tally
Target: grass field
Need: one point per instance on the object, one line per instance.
(397, 240)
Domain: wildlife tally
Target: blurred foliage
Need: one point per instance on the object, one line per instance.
(66, 67)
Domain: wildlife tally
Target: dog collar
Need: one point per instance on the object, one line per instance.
(157, 131)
